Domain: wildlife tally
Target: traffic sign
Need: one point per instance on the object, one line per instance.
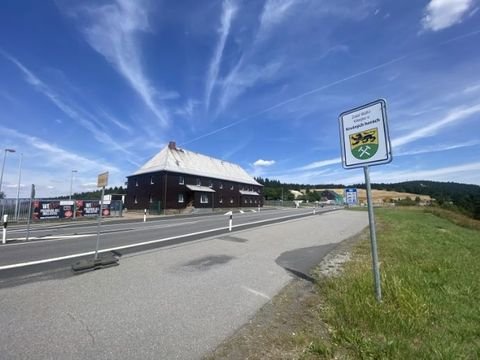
(102, 179)
(364, 135)
(351, 197)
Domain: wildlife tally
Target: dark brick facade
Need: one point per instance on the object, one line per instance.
(146, 190)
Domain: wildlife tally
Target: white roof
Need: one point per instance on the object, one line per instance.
(174, 159)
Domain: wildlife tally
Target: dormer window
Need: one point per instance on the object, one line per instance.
(181, 180)
(151, 180)
(199, 182)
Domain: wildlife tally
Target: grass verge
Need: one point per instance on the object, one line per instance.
(431, 293)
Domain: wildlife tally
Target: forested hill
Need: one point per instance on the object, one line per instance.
(464, 196)
(441, 191)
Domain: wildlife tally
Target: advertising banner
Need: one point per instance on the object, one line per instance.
(65, 209)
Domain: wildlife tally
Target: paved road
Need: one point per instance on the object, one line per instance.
(57, 241)
(174, 302)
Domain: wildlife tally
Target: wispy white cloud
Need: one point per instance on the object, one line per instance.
(319, 164)
(471, 89)
(261, 162)
(245, 74)
(437, 148)
(242, 78)
(453, 116)
(55, 155)
(113, 32)
(228, 14)
(274, 12)
(115, 121)
(441, 14)
(80, 116)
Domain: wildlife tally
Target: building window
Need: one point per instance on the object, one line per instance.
(210, 184)
(180, 198)
(245, 201)
(181, 180)
(199, 182)
(221, 185)
(203, 199)
(251, 201)
(151, 180)
(150, 199)
(136, 182)
(231, 187)
(231, 200)
(135, 201)
(221, 200)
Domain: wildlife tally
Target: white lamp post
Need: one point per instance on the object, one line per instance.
(18, 186)
(71, 184)
(3, 166)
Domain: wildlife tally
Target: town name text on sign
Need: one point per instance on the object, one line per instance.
(364, 135)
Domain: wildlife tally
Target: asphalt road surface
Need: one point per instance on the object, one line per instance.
(175, 302)
(54, 246)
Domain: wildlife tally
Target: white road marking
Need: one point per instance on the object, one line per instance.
(51, 238)
(258, 293)
(123, 247)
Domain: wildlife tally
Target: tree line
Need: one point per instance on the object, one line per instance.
(452, 195)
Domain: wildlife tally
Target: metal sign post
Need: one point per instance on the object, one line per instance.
(102, 181)
(373, 237)
(32, 196)
(107, 259)
(365, 141)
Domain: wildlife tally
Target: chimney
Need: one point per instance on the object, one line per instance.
(172, 145)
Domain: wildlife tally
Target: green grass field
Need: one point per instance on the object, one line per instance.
(430, 269)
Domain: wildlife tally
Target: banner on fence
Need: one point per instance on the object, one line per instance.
(43, 210)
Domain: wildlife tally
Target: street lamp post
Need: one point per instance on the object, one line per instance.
(3, 166)
(17, 210)
(71, 184)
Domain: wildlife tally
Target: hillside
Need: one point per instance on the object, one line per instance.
(465, 197)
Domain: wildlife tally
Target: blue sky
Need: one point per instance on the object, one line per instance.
(103, 86)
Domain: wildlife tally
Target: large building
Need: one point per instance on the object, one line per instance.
(177, 178)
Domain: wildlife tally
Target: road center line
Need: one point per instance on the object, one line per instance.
(117, 248)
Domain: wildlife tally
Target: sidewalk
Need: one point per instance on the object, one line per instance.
(178, 302)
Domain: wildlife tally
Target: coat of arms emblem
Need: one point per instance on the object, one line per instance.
(364, 144)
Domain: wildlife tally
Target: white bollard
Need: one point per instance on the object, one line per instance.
(5, 223)
(313, 211)
(230, 223)
(145, 215)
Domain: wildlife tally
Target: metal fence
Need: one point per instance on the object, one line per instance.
(17, 211)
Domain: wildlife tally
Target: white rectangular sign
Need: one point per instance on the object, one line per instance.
(351, 196)
(364, 135)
